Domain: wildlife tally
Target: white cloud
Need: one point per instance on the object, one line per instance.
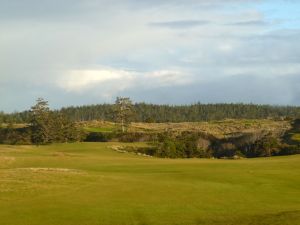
(109, 81)
(81, 80)
(163, 78)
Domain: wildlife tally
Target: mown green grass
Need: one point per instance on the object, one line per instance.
(100, 129)
(102, 186)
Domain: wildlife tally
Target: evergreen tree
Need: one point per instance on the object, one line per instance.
(62, 129)
(123, 112)
(51, 126)
(40, 122)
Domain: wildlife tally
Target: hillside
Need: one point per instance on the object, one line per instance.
(219, 129)
(220, 139)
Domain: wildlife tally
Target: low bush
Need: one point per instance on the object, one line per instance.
(99, 136)
(15, 136)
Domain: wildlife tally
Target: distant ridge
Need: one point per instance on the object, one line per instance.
(145, 112)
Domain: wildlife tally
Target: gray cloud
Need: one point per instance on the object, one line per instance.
(42, 42)
(234, 89)
(250, 23)
(69, 9)
(180, 24)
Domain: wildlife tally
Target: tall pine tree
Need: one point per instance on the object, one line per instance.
(40, 122)
(123, 112)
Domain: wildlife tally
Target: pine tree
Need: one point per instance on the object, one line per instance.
(40, 122)
(123, 112)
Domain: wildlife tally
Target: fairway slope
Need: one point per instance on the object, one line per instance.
(91, 184)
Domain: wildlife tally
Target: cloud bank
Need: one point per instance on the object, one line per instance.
(83, 52)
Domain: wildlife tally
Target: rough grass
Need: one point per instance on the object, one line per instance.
(98, 126)
(90, 184)
(99, 129)
(296, 137)
(219, 129)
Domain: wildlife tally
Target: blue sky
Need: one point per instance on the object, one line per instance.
(76, 52)
(287, 13)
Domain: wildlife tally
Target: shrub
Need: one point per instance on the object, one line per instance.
(99, 136)
(15, 136)
(137, 137)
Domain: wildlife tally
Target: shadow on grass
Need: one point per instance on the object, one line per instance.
(281, 218)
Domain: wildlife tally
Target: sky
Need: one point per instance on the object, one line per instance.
(77, 52)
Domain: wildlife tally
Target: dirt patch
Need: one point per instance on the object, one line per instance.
(6, 160)
(118, 148)
(59, 154)
(33, 180)
(46, 169)
(128, 149)
(64, 154)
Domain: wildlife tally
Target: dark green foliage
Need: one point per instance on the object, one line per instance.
(137, 137)
(268, 146)
(167, 149)
(63, 130)
(198, 145)
(99, 136)
(289, 137)
(185, 145)
(186, 113)
(168, 113)
(289, 149)
(22, 117)
(51, 127)
(15, 136)
(225, 150)
(41, 122)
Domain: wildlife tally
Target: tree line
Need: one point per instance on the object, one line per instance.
(143, 112)
(45, 126)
